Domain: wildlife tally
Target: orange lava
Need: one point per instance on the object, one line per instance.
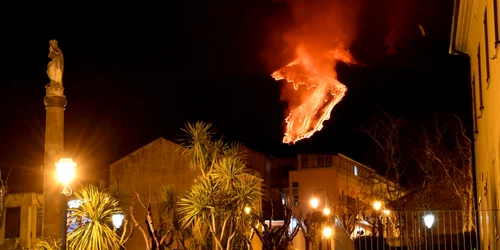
(323, 91)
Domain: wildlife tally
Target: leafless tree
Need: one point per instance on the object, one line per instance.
(357, 204)
(386, 134)
(440, 149)
(166, 230)
(276, 237)
(353, 206)
(444, 156)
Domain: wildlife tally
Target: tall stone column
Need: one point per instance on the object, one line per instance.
(55, 102)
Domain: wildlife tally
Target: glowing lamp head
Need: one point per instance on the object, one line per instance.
(65, 170)
(117, 219)
(429, 220)
(387, 212)
(327, 232)
(377, 205)
(314, 202)
(326, 211)
(248, 210)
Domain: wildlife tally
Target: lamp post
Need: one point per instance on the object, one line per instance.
(326, 210)
(315, 201)
(429, 221)
(65, 174)
(377, 205)
(327, 232)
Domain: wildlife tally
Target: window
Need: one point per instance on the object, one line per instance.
(304, 162)
(480, 81)
(295, 190)
(12, 222)
(320, 161)
(342, 197)
(328, 161)
(496, 22)
(356, 170)
(324, 161)
(486, 47)
(474, 103)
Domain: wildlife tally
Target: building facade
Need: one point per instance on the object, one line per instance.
(347, 187)
(162, 162)
(144, 172)
(476, 34)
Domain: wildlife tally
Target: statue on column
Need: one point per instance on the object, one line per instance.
(55, 70)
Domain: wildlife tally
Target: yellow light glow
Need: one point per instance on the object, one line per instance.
(377, 205)
(326, 211)
(65, 170)
(247, 210)
(327, 232)
(387, 212)
(314, 202)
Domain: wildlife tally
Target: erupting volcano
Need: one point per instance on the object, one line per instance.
(322, 90)
(319, 36)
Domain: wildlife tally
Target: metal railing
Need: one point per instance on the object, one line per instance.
(426, 230)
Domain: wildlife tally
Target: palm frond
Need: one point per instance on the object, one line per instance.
(169, 199)
(197, 141)
(96, 234)
(197, 205)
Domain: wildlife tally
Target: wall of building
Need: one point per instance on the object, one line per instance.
(30, 220)
(476, 32)
(333, 180)
(145, 171)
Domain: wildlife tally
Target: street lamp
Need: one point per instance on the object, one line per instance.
(315, 202)
(117, 219)
(65, 174)
(248, 210)
(326, 211)
(327, 232)
(377, 205)
(429, 220)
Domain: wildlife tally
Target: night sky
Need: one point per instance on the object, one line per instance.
(134, 73)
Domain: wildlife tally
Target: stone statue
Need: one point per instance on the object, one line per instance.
(55, 70)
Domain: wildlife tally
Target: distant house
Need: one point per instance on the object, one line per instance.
(341, 184)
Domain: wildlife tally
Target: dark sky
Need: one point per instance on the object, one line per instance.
(134, 73)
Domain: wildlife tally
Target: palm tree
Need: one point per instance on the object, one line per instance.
(217, 202)
(94, 230)
(170, 231)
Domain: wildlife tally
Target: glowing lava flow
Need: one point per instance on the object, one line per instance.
(324, 91)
